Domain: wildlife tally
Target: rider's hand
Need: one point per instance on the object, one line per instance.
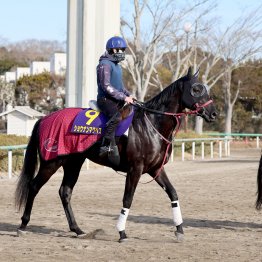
(129, 100)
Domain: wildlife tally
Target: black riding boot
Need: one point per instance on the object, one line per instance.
(105, 147)
(109, 149)
(108, 146)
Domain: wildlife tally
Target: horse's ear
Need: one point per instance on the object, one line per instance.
(196, 73)
(189, 72)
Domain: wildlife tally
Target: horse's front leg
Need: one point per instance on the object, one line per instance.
(164, 182)
(130, 187)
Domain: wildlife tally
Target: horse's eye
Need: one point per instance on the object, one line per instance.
(197, 90)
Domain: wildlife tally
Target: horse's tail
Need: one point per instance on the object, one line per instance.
(28, 170)
(259, 186)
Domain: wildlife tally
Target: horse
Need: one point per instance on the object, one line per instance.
(259, 186)
(146, 149)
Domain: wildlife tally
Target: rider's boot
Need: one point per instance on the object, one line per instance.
(105, 147)
(109, 149)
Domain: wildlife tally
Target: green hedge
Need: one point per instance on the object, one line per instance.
(18, 155)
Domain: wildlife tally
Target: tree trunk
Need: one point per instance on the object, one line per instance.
(228, 118)
(199, 125)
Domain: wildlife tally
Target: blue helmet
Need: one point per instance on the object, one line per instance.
(116, 42)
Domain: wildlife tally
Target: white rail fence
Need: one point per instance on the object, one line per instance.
(217, 147)
(223, 147)
(10, 155)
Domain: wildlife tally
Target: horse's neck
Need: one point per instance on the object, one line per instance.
(146, 122)
(168, 102)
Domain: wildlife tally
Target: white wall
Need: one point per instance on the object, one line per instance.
(16, 123)
(29, 126)
(10, 77)
(22, 71)
(58, 63)
(38, 67)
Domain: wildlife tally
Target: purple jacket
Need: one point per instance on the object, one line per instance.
(109, 79)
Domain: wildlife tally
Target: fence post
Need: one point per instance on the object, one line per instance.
(172, 152)
(220, 149)
(228, 147)
(87, 163)
(225, 144)
(211, 150)
(202, 150)
(183, 151)
(9, 164)
(193, 150)
(257, 142)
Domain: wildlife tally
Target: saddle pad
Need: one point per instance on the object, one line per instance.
(56, 138)
(90, 121)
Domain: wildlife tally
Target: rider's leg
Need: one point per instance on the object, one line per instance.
(110, 109)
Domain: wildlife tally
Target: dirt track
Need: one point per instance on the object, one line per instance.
(217, 200)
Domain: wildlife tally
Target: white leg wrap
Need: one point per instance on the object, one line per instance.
(177, 216)
(121, 223)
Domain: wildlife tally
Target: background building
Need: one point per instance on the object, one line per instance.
(21, 120)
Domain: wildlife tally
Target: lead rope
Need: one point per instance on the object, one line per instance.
(168, 144)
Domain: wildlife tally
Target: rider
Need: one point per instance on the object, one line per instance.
(111, 91)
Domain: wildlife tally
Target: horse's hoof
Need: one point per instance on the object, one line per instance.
(21, 232)
(123, 237)
(122, 240)
(179, 237)
(82, 236)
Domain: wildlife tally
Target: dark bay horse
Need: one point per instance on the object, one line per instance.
(259, 186)
(145, 150)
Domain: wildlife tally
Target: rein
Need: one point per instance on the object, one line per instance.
(177, 116)
(191, 112)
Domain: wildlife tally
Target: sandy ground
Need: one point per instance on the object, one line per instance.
(217, 199)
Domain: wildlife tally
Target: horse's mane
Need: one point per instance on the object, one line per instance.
(161, 99)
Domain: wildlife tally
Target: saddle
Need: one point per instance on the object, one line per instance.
(91, 121)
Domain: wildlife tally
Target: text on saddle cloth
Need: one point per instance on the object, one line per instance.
(92, 122)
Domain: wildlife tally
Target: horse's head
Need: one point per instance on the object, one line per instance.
(195, 96)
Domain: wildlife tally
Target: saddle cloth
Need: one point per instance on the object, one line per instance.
(73, 130)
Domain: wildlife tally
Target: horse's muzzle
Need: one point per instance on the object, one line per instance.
(209, 117)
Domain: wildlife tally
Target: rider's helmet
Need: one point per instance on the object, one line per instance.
(116, 47)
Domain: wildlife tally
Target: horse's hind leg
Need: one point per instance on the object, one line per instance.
(71, 173)
(164, 182)
(46, 170)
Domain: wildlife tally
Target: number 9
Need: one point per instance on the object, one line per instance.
(92, 115)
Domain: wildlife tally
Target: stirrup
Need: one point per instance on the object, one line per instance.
(104, 150)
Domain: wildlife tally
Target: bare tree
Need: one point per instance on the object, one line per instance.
(148, 44)
(194, 47)
(32, 49)
(7, 95)
(241, 42)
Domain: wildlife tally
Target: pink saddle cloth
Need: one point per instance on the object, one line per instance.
(56, 138)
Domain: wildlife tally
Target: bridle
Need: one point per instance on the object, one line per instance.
(177, 116)
(197, 106)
